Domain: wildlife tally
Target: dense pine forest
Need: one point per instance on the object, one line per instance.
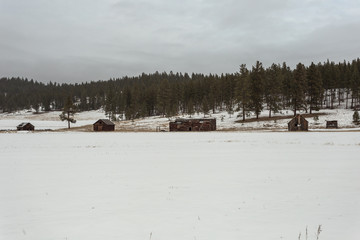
(278, 87)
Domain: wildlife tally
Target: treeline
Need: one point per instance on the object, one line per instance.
(250, 90)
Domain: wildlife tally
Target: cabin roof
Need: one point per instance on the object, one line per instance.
(106, 121)
(192, 119)
(297, 116)
(24, 124)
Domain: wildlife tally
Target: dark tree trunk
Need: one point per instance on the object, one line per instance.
(68, 117)
(270, 112)
(243, 112)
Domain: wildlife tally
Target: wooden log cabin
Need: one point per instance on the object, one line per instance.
(25, 126)
(204, 124)
(298, 123)
(331, 124)
(104, 125)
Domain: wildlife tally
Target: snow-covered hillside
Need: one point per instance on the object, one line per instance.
(161, 186)
(50, 120)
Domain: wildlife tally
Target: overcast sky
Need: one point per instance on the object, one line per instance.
(89, 40)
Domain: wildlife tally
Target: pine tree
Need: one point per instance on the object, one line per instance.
(135, 105)
(141, 96)
(342, 82)
(163, 97)
(273, 81)
(205, 106)
(286, 85)
(257, 88)
(190, 107)
(242, 89)
(68, 112)
(335, 72)
(314, 84)
(328, 82)
(228, 92)
(110, 104)
(298, 87)
(348, 82)
(83, 102)
(212, 93)
(355, 85)
(129, 111)
(356, 117)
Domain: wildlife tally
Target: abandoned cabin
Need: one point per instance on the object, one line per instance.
(104, 125)
(331, 124)
(181, 124)
(298, 123)
(25, 126)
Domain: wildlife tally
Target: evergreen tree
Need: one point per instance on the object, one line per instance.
(356, 117)
(129, 111)
(314, 84)
(328, 82)
(110, 104)
(190, 107)
(68, 112)
(205, 106)
(287, 76)
(136, 102)
(169, 94)
(273, 81)
(298, 87)
(347, 75)
(335, 73)
(355, 85)
(242, 90)
(163, 98)
(257, 88)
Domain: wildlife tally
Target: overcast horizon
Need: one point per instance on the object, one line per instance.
(81, 41)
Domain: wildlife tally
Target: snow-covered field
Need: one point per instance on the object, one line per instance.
(195, 186)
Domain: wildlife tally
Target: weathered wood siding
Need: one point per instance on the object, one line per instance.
(193, 125)
(26, 127)
(298, 123)
(103, 126)
(331, 124)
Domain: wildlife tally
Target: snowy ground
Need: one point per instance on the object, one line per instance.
(195, 186)
(47, 120)
(50, 120)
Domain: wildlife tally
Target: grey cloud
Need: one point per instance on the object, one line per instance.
(74, 41)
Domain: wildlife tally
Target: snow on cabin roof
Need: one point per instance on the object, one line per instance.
(192, 119)
(23, 124)
(106, 121)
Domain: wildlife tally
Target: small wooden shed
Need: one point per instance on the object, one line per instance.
(104, 125)
(331, 124)
(203, 124)
(25, 126)
(298, 123)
